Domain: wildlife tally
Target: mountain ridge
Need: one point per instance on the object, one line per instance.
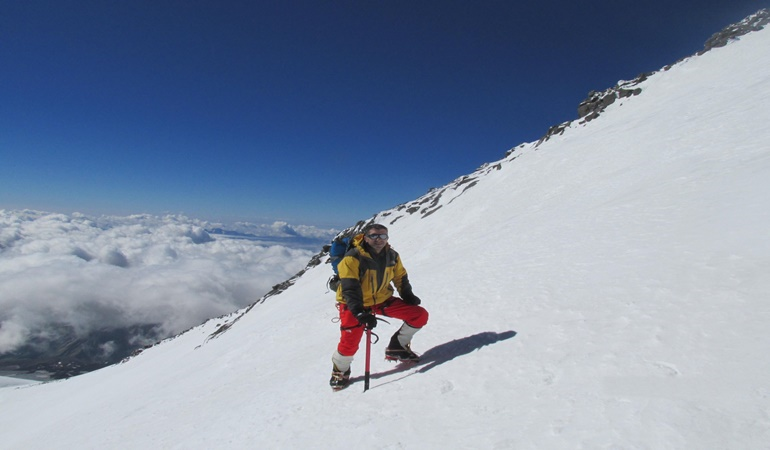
(587, 110)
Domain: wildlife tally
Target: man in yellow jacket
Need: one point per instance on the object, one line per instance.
(366, 273)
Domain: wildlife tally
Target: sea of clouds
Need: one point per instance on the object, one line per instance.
(93, 273)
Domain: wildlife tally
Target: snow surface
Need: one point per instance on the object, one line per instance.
(15, 381)
(605, 289)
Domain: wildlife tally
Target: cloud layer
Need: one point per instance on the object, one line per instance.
(111, 272)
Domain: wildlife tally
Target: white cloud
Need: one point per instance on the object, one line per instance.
(107, 348)
(118, 271)
(12, 335)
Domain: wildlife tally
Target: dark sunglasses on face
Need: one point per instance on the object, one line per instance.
(384, 237)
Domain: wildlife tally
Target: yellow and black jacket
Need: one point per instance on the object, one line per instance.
(365, 279)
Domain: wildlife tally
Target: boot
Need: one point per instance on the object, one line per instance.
(399, 347)
(340, 371)
(339, 380)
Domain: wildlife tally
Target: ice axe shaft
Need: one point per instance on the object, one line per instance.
(368, 358)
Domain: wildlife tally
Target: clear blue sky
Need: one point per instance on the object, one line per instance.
(261, 111)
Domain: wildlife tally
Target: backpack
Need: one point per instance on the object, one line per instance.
(337, 250)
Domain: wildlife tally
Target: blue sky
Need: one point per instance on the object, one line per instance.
(319, 113)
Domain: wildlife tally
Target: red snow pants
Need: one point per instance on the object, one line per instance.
(351, 330)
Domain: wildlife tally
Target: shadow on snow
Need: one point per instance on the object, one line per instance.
(442, 353)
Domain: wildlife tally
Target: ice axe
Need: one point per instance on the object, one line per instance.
(369, 353)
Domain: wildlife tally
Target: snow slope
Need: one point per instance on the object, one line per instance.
(605, 289)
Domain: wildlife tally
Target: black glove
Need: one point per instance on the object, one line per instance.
(410, 299)
(367, 319)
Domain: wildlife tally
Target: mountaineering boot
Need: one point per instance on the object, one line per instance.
(401, 354)
(340, 371)
(399, 346)
(339, 380)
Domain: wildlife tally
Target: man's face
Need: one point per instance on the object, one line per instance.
(377, 238)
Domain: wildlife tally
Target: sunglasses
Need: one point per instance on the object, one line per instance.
(384, 237)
